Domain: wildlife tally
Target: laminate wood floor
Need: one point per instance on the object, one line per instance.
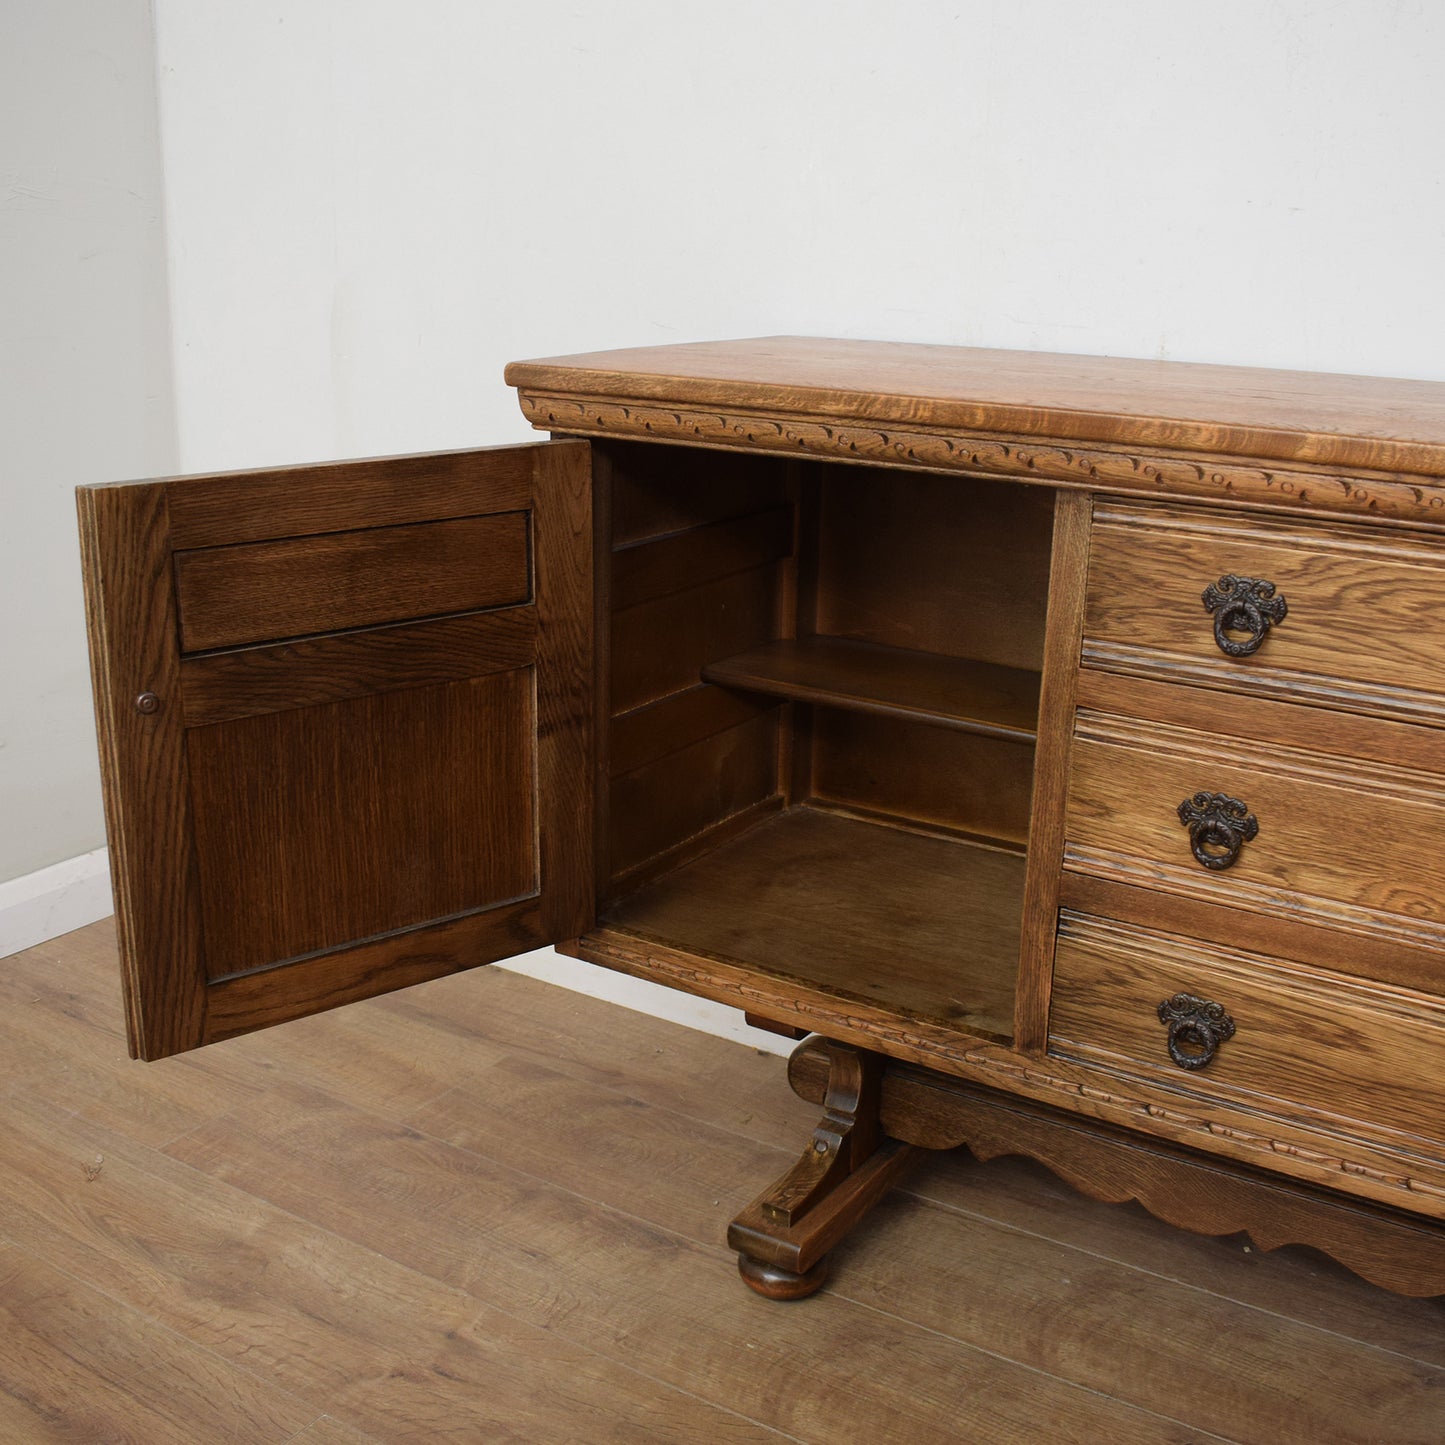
(491, 1210)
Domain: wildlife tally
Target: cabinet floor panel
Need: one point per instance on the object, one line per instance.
(919, 924)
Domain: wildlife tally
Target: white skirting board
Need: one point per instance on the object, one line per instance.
(55, 900)
(42, 905)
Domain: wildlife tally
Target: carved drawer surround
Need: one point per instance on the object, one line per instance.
(1235, 781)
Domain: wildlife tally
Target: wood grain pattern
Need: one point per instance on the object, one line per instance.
(701, 555)
(692, 789)
(563, 560)
(658, 567)
(320, 827)
(657, 491)
(395, 1350)
(1386, 1247)
(1049, 791)
(677, 721)
(1360, 632)
(931, 564)
(661, 647)
(970, 782)
(949, 692)
(222, 509)
(1041, 1299)
(222, 686)
(1380, 956)
(354, 802)
(312, 983)
(259, 591)
(1260, 723)
(1316, 1151)
(809, 896)
(1305, 1041)
(92, 1368)
(1339, 840)
(131, 621)
(1351, 421)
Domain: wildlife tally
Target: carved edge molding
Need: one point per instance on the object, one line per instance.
(993, 1064)
(1401, 1253)
(1098, 468)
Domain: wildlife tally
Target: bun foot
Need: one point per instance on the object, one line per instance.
(782, 1284)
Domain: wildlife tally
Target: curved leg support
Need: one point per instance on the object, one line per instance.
(784, 1235)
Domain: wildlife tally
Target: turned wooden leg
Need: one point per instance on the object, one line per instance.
(784, 1235)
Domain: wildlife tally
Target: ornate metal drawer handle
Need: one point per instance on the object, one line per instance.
(1197, 1027)
(1243, 604)
(1219, 826)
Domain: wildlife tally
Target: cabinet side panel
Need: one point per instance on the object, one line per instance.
(701, 552)
(566, 687)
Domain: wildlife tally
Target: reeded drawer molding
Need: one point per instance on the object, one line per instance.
(1402, 704)
(1316, 912)
(1341, 843)
(1140, 470)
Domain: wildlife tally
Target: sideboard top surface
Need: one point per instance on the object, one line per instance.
(1365, 422)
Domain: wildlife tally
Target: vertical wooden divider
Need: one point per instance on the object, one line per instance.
(1068, 571)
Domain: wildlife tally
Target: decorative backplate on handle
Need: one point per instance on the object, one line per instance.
(1197, 1026)
(1243, 604)
(1219, 826)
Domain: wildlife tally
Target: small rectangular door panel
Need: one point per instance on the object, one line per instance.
(346, 728)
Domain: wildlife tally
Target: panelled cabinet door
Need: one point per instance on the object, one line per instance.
(345, 723)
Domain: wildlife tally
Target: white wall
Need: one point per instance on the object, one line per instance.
(85, 387)
(372, 205)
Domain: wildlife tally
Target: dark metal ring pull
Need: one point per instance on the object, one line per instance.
(1219, 826)
(1197, 1026)
(1243, 604)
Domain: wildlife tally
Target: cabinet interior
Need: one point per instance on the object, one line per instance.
(821, 697)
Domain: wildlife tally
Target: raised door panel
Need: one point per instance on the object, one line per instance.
(346, 730)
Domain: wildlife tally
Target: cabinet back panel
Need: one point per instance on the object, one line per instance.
(935, 564)
(923, 774)
(321, 826)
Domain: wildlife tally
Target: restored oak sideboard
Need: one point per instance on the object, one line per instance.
(1055, 745)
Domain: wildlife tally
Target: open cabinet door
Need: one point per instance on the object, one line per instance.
(345, 719)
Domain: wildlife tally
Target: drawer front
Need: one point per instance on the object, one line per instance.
(1288, 1040)
(1316, 612)
(1277, 828)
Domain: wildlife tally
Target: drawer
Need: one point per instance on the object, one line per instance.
(1347, 617)
(1285, 1039)
(1276, 827)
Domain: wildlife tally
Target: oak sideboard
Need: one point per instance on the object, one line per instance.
(1054, 745)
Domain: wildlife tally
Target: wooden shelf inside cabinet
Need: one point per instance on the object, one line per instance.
(949, 692)
(922, 925)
